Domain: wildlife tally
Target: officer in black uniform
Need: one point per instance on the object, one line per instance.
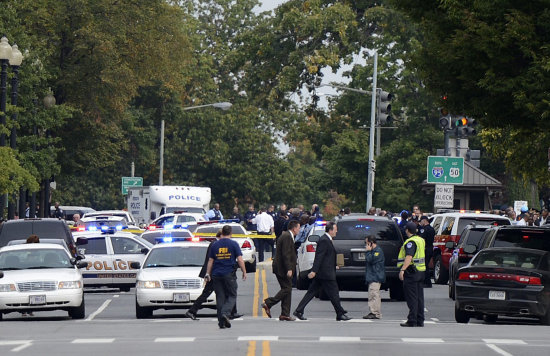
(427, 232)
(249, 216)
(236, 215)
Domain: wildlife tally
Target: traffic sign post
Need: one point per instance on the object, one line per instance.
(445, 170)
(131, 182)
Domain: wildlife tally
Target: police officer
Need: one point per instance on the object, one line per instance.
(427, 232)
(411, 261)
(249, 216)
(214, 214)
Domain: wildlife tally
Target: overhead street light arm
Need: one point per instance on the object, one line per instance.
(223, 105)
(344, 88)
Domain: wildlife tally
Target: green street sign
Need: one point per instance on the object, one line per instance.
(445, 170)
(131, 182)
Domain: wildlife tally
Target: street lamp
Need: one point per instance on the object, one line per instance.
(223, 106)
(5, 55)
(44, 209)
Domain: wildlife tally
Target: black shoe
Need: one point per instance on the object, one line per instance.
(191, 315)
(221, 325)
(420, 325)
(226, 321)
(299, 315)
(370, 316)
(342, 317)
(408, 325)
(235, 316)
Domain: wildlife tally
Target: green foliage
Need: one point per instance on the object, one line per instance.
(12, 175)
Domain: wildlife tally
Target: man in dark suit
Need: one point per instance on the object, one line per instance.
(323, 275)
(283, 266)
(208, 288)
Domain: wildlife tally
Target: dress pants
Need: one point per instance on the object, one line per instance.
(413, 285)
(226, 294)
(375, 303)
(330, 287)
(206, 291)
(284, 295)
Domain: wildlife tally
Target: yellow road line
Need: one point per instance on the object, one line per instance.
(251, 348)
(264, 290)
(266, 350)
(256, 294)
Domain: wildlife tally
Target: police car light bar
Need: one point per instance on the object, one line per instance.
(320, 223)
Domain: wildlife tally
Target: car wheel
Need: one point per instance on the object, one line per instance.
(441, 274)
(397, 292)
(1, 316)
(490, 318)
(124, 289)
(545, 320)
(461, 316)
(250, 267)
(143, 312)
(78, 312)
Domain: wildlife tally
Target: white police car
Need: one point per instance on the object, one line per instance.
(169, 278)
(175, 220)
(239, 235)
(306, 255)
(40, 277)
(172, 235)
(108, 255)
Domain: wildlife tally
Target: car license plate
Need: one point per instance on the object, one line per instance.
(37, 299)
(497, 294)
(181, 297)
(360, 256)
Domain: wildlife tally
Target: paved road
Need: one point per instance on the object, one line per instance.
(110, 328)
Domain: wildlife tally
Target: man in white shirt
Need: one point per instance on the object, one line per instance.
(265, 224)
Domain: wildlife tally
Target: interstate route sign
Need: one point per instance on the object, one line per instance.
(445, 170)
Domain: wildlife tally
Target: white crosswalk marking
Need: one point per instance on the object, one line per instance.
(92, 341)
(174, 339)
(504, 341)
(340, 339)
(258, 338)
(422, 340)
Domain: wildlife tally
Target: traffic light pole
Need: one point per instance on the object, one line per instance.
(370, 176)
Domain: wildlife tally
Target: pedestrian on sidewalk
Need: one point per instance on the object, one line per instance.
(375, 275)
(284, 265)
(221, 260)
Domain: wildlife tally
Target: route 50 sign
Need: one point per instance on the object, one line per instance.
(445, 170)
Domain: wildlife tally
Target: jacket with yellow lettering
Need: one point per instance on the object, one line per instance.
(375, 270)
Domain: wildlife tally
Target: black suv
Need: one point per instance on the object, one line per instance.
(350, 241)
(469, 243)
(47, 228)
(534, 237)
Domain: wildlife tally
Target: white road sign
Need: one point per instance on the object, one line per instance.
(444, 196)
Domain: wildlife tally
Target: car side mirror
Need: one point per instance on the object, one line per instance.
(144, 250)
(81, 264)
(135, 265)
(470, 249)
(81, 241)
(313, 238)
(450, 244)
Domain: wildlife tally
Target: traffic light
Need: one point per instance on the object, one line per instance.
(445, 122)
(465, 126)
(384, 107)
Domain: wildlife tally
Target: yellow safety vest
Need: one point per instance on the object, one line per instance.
(419, 258)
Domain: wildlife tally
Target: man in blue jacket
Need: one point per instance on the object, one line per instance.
(375, 275)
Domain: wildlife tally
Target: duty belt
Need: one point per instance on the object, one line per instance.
(416, 260)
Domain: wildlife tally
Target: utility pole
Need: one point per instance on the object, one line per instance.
(370, 176)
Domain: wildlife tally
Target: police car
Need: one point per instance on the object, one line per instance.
(175, 220)
(170, 234)
(169, 278)
(40, 277)
(239, 235)
(109, 254)
(306, 255)
(130, 225)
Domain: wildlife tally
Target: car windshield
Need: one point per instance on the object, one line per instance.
(478, 220)
(175, 209)
(527, 238)
(177, 256)
(22, 229)
(359, 229)
(34, 259)
(500, 258)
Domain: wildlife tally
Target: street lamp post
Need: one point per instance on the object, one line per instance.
(15, 61)
(49, 101)
(222, 105)
(5, 55)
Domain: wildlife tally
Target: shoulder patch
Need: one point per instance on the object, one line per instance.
(376, 253)
(409, 245)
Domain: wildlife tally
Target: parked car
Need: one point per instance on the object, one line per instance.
(69, 211)
(505, 281)
(306, 255)
(448, 227)
(47, 228)
(175, 220)
(40, 277)
(172, 235)
(169, 278)
(350, 243)
(468, 244)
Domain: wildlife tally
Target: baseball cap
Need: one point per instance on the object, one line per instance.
(411, 226)
(424, 217)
